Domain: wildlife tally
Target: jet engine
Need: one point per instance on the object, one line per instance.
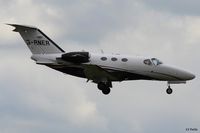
(76, 57)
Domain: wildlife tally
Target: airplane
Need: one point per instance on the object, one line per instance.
(102, 69)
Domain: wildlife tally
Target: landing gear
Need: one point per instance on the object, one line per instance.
(104, 87)
(169, 90)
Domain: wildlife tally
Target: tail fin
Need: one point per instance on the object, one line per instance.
(36, 40)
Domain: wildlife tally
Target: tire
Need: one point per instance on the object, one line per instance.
(106, 91)
(101, 86)
(169, 91)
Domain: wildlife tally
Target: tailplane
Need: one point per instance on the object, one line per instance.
(36, 40)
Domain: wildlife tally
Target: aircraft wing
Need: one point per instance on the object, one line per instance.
(98, 74)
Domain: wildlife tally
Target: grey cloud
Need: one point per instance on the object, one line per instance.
(180, 7)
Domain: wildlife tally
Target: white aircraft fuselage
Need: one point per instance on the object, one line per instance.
(102, 69)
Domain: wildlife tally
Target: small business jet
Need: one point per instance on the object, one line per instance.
(102, 69)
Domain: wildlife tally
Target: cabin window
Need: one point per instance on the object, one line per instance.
(114, 59)
(103, 58)
(124, 59)
(147, 62)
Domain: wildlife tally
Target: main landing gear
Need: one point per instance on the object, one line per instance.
(104, 87)
(169, 90)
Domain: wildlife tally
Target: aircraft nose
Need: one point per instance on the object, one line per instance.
(190, 76)
(178, 73)
(187, 75)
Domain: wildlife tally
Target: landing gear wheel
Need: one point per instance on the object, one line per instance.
(106, 91)
(104, 88)
(101, 86)
(169, 90)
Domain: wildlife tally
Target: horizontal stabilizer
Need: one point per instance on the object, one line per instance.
(19, 28)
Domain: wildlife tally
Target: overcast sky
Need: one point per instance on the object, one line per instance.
(35, 98)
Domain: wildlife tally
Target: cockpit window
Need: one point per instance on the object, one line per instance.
(147, 62)
(152, 61)
(156, 61)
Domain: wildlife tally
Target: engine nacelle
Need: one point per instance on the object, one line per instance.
(76, 57)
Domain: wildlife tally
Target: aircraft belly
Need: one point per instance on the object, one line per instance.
(74, 71)
(119, 75)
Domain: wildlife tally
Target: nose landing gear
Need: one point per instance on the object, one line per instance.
(169, 90)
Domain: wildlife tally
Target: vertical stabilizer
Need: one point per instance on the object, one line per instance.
(36, 40)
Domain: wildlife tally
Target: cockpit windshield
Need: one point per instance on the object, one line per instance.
(152, 61)
(156, 61)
